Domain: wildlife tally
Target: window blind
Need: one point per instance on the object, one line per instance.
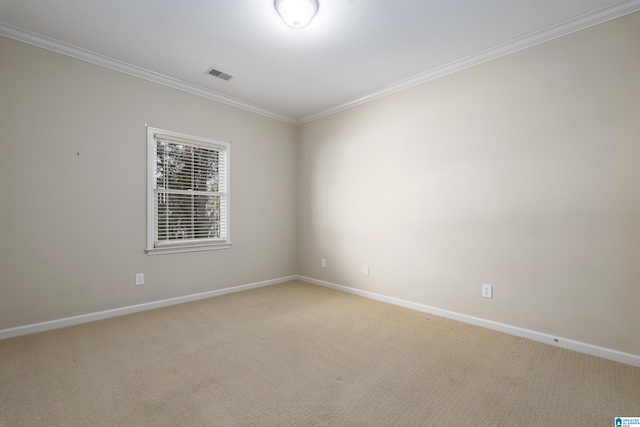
(190, 192)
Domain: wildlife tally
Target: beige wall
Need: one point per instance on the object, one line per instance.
(521, 173)
(73, 227)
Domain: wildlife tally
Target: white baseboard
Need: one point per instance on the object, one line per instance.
(593, 350)
(91, 317)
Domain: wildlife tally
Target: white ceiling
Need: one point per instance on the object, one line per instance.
(353, 50)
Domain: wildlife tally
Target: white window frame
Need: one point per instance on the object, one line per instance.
(192, 245)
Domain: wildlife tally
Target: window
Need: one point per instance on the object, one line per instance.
(187, 193)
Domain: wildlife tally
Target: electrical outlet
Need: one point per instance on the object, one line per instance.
(487, 291)
(323, 263)
(139, 279)
(365, 270)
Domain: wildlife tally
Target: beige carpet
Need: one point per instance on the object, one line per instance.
(295, 354)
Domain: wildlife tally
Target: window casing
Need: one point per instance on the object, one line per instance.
(187, 193)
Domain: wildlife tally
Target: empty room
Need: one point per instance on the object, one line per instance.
(319, 212)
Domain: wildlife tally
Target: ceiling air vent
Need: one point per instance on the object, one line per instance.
(220, 74)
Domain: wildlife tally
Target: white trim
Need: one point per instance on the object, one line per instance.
(593, 350)
(123, 67)
(561, 29)
(193, 246)
(184, 249)
(569, 26)
(92, 317)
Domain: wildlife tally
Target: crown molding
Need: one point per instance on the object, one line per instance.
(569, 26)
(103, 61)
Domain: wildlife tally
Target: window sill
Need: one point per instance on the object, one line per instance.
(193, 248)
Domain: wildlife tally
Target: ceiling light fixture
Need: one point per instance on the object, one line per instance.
(296, 13)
